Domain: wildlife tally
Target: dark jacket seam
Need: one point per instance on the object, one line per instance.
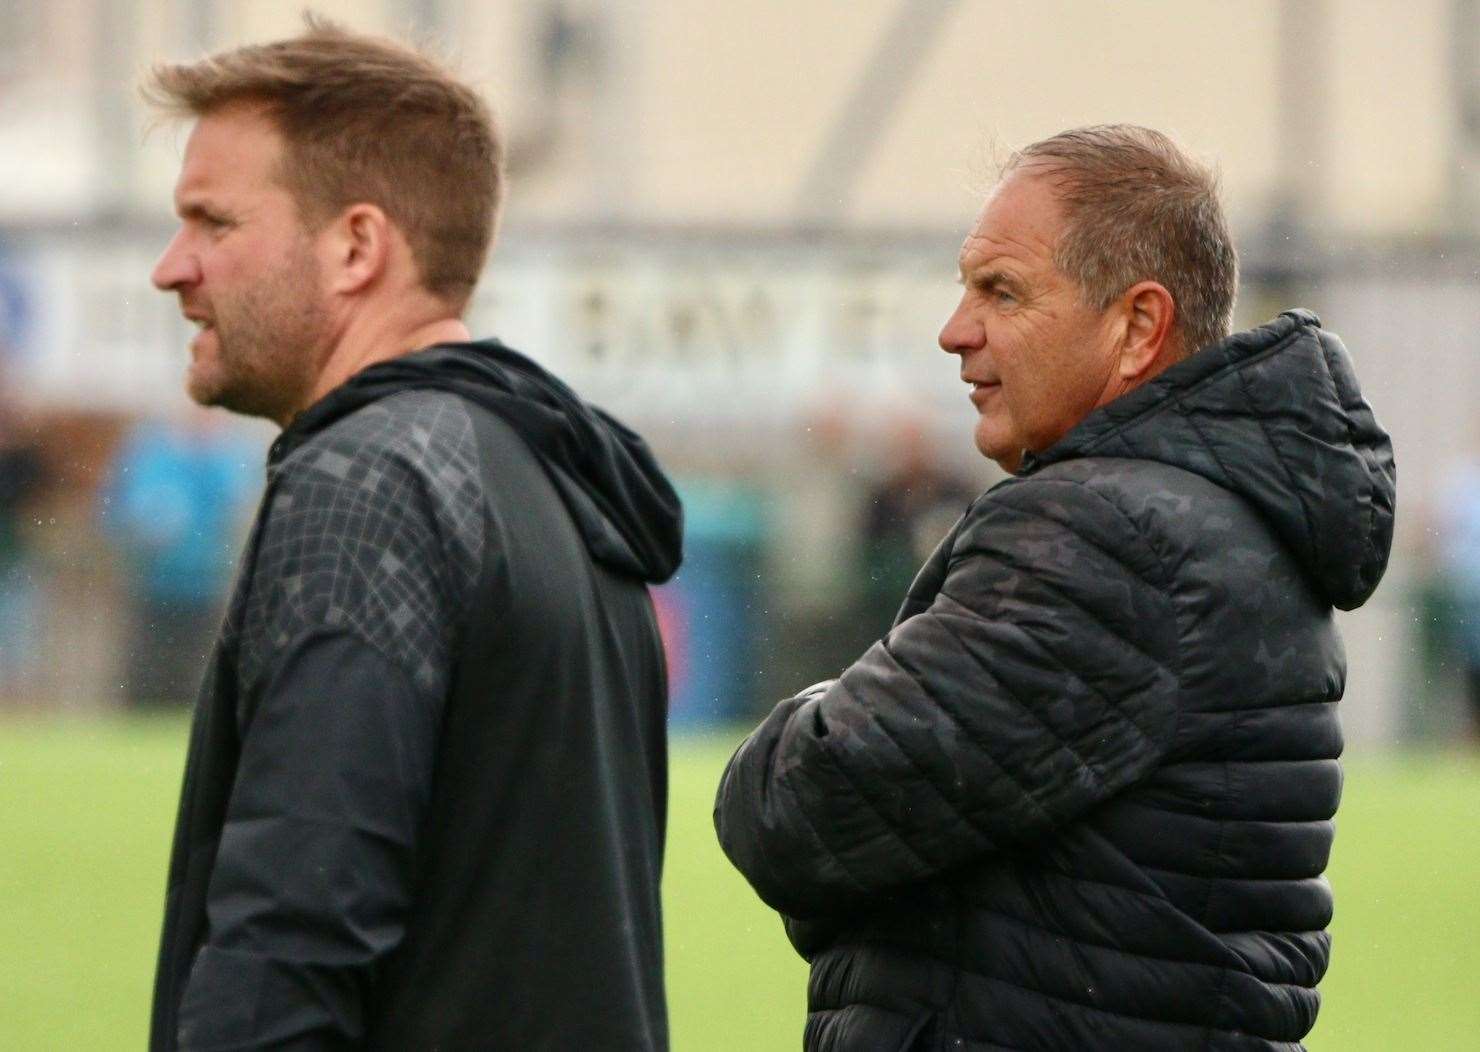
(1310, 528)
(1178, 656)
(1219, 851)
(1082, 1006)
(1072, 601)
(1151, 659)
(823, 845)
(1220, 1000)
(889, 831)
(1369, 457)
(1024, 790)
(962, 815)
(1108, 705)
(1179, 962)
(1109, 552)
(1164, 587)
(1016, 700)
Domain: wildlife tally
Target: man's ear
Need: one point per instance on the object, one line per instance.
(358, 243)
(1150, 342)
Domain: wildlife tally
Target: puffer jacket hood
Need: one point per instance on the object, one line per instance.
(624, 505)
(1274, 415)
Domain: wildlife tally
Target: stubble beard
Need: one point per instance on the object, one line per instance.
(268, 343)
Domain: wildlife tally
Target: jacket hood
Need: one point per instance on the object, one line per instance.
(624, 505)
(1274, 415)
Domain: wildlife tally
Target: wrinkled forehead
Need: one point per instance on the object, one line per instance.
(1021, 219)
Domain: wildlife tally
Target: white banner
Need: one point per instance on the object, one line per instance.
(672, 330)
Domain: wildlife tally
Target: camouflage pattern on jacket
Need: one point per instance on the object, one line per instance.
(1081, 795)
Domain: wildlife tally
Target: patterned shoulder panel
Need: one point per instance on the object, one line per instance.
(375, 527)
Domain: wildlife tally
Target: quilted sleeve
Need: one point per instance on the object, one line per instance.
(1039, 681)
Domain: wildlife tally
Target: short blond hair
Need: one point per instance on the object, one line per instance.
(365, 119)
(1138, 208)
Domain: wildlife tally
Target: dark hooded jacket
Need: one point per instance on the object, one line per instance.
(425, 797)
(1081, 795)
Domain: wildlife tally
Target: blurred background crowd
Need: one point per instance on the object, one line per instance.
(735, 226)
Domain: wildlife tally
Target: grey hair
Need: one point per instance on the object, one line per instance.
(1138, 208)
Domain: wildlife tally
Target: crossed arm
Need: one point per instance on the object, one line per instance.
(1038, 681)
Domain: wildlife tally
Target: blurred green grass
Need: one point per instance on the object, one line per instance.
(86, 809)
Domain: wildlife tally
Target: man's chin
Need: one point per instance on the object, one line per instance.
(202, 388)
(1006, 455)
(213, 392)
(209, 388)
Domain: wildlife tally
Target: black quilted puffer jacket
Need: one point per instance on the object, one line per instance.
(1081, 795)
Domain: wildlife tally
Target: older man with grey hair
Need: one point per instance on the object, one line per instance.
(1080, 796)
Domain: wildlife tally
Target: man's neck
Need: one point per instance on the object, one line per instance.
(360, 347)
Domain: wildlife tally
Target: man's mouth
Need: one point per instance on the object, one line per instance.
(982, 390)
(204, 326)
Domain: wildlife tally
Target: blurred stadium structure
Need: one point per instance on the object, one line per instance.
(735, 226)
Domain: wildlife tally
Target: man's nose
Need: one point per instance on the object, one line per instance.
(961, 332)
(176, 267)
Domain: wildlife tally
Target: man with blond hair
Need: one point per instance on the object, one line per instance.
(1080, 795)
(425, 796)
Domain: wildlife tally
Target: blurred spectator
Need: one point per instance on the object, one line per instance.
(176, 495)
(1460, 566)
(21, 473)
(906, 513)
